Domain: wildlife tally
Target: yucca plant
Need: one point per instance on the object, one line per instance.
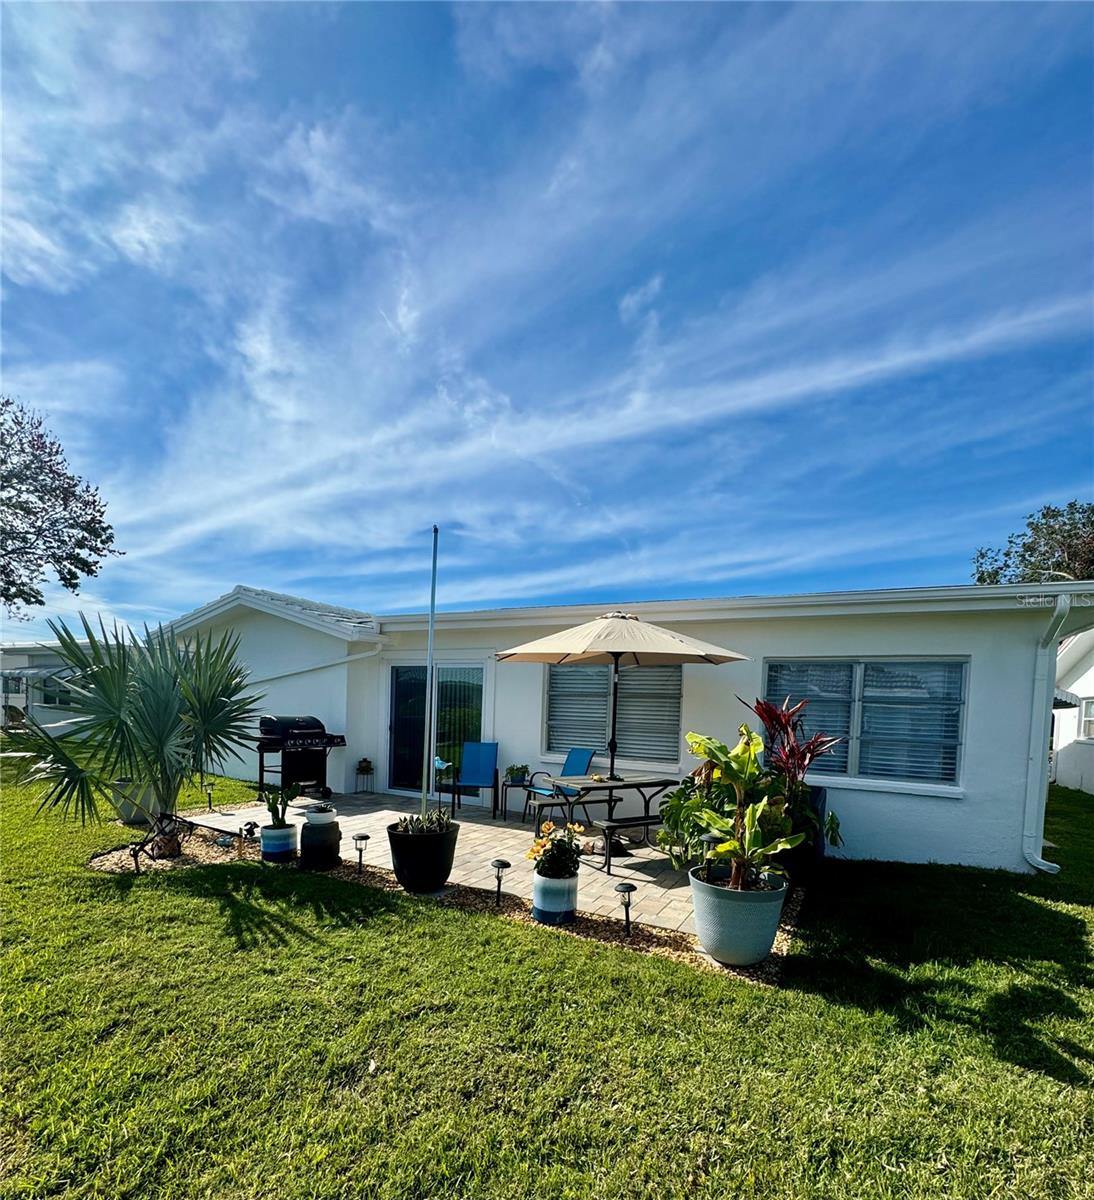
(148, 708)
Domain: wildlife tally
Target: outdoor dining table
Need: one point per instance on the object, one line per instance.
(583, 790)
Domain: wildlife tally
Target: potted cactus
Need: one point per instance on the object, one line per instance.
(423, 849)
(279, 839)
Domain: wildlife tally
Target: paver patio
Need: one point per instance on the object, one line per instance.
(662, 897)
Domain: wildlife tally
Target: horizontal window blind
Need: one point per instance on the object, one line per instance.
(901, 720)
(911, 720)
(829, 688)
(648, 717)
(577, 707)
(648, 721)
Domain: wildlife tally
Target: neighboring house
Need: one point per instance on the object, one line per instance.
(1073, 720)
(29, 682)
(943, 696)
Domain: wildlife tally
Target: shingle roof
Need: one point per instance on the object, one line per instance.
(349, 623)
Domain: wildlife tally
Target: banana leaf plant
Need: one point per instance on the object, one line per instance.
(150, 709)
(745, 845)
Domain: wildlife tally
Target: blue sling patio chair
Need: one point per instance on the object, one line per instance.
(478, 769)
(547, 796)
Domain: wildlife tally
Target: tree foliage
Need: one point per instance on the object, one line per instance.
(1057, 543)
(50, 518)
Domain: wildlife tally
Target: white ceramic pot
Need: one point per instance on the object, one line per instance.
(320, 818)
(554, 901)
(135, 803)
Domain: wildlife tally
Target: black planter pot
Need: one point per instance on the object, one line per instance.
(802, 863)
(422, 862)
(319, 846)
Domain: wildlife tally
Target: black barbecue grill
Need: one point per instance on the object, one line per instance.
(303, 745)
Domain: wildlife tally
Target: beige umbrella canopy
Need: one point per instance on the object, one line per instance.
(621, 640)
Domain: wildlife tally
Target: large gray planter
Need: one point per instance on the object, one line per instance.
(135, 803)
(736, 928)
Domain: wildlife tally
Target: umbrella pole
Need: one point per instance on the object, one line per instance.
(615, 706)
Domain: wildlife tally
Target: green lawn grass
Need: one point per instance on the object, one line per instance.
(252, 1032)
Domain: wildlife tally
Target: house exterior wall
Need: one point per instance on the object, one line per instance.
(282, 657)
(1005, 636)
(977, 822)
(1073, 754)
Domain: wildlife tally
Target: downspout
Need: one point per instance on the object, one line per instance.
(1044, 680)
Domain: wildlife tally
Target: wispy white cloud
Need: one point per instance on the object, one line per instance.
(357, 349)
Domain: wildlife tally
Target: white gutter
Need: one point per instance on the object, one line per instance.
(1044, 683)
(334, 662)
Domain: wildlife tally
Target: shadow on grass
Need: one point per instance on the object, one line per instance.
(929, 945)
(262, 906)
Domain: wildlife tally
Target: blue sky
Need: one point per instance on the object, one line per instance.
(634, 301)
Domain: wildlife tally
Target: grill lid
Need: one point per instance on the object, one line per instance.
(290, 727)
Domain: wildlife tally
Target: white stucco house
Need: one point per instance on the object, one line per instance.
(943, 697)
(1073, 718)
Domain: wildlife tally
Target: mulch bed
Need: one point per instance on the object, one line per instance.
(200, 849)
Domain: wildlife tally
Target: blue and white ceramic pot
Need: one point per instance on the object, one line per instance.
(278, 845)
(554, 901)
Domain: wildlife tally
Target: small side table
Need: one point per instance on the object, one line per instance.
(358, 776)
(506, 786)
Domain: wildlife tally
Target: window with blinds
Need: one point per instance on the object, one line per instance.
(900, 720)
(1086, 729)
(648, 718)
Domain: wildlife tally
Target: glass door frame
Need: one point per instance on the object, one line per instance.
(483, 659)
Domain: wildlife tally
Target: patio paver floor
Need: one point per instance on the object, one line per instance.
(661, 898)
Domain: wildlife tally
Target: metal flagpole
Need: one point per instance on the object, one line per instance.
(429, 682)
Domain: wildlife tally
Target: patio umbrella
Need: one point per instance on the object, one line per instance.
(618, 639)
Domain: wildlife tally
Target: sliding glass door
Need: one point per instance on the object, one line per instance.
(458, 719)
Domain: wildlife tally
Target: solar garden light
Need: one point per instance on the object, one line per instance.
(209, 798)
(626, 890)
(360, 844)
(500, 867)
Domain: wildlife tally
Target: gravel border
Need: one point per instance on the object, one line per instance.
(201, 850)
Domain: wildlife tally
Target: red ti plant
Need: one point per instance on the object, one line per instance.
(790, 754)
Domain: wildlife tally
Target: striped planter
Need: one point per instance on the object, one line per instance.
(554, 901)
(278, 845)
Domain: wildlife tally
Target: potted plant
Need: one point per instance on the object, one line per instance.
(135, 803)
(516, 773)
(719, 818)
(787, 758)
(321, 814)
(154, 710)
(278, 840)
(422, 849)
(557, 855)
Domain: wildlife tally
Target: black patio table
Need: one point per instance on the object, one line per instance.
(583, 790)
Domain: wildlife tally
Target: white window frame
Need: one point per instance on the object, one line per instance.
(48, 699)
(1086, 706)
(852, 777)
(654, 764)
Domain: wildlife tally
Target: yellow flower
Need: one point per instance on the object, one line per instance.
(716, 773)
(547, 827)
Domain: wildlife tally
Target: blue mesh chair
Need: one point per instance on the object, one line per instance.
(547, 796)
(478, 769)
